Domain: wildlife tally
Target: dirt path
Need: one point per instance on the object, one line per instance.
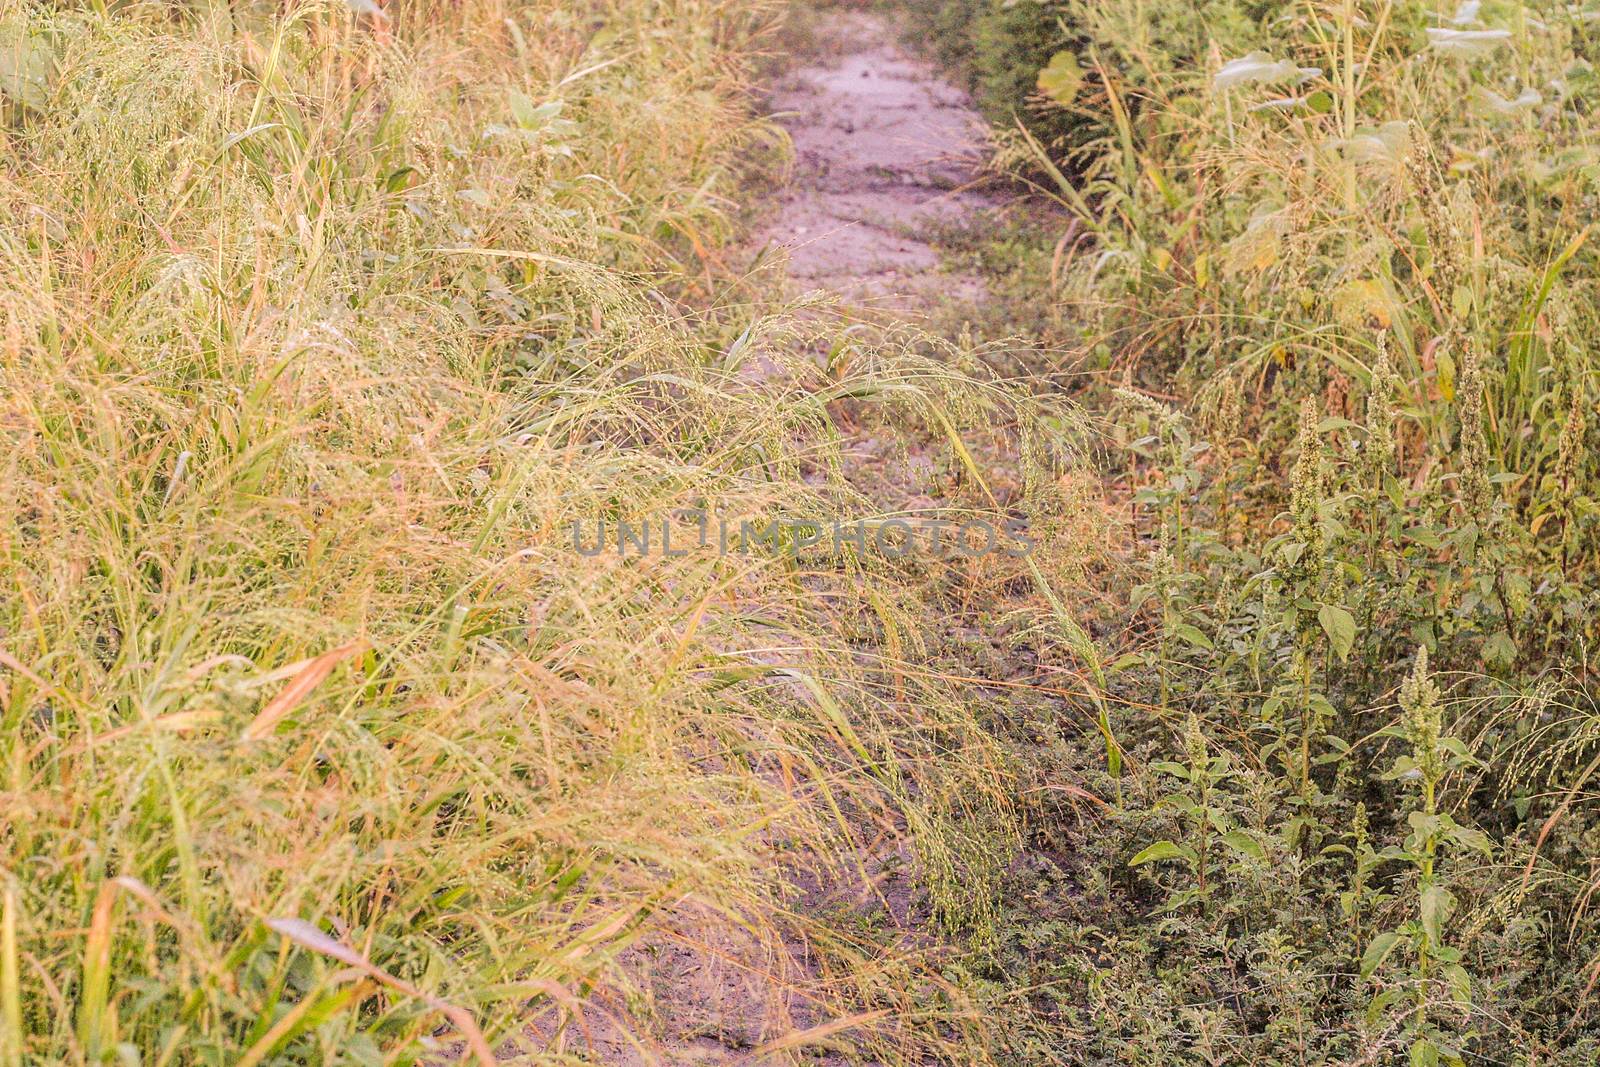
(884, 147)
(884, 150)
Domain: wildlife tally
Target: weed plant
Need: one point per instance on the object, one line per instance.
(1332, 266)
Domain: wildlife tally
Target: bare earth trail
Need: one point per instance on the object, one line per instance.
(884, 148)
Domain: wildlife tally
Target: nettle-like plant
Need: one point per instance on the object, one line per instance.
(1310, 581)
(1363, 893)
(1182, 546)
(1211, 838)
(1362, 238)
(1433, 755)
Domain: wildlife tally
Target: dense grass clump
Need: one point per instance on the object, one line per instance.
(319, 742)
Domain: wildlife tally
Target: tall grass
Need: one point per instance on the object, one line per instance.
(318, 741)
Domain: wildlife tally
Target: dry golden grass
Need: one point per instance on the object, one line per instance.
(318, 743)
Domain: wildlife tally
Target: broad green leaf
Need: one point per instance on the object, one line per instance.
(1061, 78)
(27, 66)
(1377, 952)
(1425, 537)
(1184, 897)
(1468, 838)
(1437, 904)
(1243, 843)
(1424, 825)
(1340, 626)
(1192, 635)
(522, 107)
(1499, 650)
(1363, 301)
(1386, 144)
(1380, 1004)
(1280, 103)
(1163, 850)
(1291, 830)
(1404, 767)
(1124, 661)
(399, 179)
(1169, 767)
(1180, 803)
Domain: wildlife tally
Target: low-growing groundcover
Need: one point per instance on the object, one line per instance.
(1330, 279)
